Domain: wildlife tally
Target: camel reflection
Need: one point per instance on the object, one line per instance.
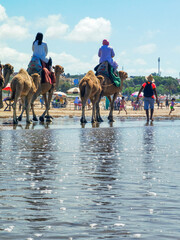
(101, 147)
(32, 125)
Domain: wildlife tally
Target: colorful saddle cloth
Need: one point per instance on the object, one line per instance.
(34, 65)
(106, 69)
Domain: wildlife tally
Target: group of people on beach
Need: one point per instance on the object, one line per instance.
(105, 53)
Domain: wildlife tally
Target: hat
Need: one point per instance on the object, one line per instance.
(150, 78)
(105, 42)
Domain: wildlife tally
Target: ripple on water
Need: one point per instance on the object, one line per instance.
(90, 183)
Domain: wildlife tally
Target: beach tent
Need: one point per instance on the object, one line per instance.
(61, 94)
(7, 88)
(74, 90)
(135, 94)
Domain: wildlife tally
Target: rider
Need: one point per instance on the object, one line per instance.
(40, 49)
(106, 53)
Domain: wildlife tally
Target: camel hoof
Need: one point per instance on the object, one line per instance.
(15, 121)
(100, 119)
(83, 120)
(29, 121)
(48, 119)
(41, 119)
(20, 118)
(35, 119)
(110, 119)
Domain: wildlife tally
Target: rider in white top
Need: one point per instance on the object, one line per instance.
(40, 48)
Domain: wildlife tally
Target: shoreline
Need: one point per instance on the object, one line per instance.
(70, 112)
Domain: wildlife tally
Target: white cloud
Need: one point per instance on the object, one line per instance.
(91, 29)
(170, 72)
(55, 28)
(139, 61)
(146, 49)
(13, 31)
(71, 64)
(15, 58)
(3, 15)
(14, 27)
(152, 33)
(56, 31)
(176, 49)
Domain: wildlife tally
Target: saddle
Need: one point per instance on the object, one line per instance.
(106, 69)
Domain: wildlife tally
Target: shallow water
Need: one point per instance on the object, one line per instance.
(107, 181)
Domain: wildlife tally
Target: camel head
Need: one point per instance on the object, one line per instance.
(58, 69)
(123, 75)
(7, 68)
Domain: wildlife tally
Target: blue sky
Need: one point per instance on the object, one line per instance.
(140, 31)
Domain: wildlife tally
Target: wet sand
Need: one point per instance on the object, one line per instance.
(71, 112)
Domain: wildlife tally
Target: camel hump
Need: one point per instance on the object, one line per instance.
(22, 71)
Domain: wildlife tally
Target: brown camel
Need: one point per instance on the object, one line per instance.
(44, 89)
(4, 79)
(90, 88)
(108, 89)
(23, 85)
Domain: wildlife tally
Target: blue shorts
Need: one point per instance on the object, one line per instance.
(148, 102)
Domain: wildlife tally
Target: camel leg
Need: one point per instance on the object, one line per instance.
(15, 121)
(110, 117)
(93, 112)
(94, 100)
(48, 117)
(1, 102)
(83, 118)
(41, 118)
(98, 115)
(27, 107)
(23, 108)
(32, 103)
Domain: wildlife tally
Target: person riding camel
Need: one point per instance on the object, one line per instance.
(40, 50)
(106, 53)
(41, 62)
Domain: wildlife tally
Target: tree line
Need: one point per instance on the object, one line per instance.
(165, 85)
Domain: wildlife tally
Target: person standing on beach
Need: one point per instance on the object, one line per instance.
(172, 105)
(149, 89)
(122, 106)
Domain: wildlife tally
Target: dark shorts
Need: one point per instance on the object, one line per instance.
(148, 103)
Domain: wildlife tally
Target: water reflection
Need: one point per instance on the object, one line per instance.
(90, 183)
(149, 148)
(100, 164)
(32, 125)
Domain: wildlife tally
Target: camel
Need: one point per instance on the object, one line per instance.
(23, 85)
(108, 89)
(4, 79)
(90, 88)
(43, 89)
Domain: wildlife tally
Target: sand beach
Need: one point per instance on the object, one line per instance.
(72, 112)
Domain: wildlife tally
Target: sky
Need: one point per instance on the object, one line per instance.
(140, 31)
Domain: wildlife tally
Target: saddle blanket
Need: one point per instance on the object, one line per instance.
(106, 69)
